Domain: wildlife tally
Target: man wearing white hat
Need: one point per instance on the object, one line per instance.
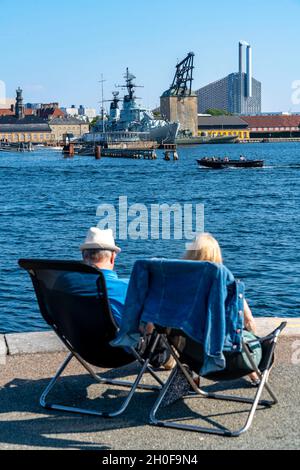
(100, 250)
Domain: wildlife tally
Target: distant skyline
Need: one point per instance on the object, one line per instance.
(57, 51)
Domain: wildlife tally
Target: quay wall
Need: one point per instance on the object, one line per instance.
(13, 344)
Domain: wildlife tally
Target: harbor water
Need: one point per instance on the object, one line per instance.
(47, 204)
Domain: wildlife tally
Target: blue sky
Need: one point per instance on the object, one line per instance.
(57, 50)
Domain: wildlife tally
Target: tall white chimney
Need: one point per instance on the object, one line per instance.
(240, 57)
(249, 72)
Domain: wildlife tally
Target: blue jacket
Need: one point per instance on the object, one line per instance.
(202, 299)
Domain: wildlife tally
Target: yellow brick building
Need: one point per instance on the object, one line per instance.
(72, 126)
(230, 126)
(28, 129)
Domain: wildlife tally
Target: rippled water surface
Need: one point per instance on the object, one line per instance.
(47, 203)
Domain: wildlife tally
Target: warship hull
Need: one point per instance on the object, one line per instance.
(161, 134)
(205, 140)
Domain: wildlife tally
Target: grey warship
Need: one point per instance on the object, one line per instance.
(131, 123)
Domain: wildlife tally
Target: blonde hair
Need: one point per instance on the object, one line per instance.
(204, 248)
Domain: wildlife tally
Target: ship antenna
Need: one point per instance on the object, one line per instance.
(130, 86)
(102, 81)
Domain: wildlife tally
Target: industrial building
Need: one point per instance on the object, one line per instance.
(238, 93)
(229, 126)
(273, 126)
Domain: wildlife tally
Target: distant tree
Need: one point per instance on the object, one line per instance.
(157, 115)
(218, 112)
(94, 121)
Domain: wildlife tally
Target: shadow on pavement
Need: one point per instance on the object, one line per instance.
(19, 400)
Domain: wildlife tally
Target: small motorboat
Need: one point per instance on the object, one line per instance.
(16, 147)
(220, 163)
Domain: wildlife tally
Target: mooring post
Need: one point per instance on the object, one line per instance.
(71, 150)
(98, 152)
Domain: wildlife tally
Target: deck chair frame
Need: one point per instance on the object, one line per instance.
(145, 367)
(28, 265)
(199, 393)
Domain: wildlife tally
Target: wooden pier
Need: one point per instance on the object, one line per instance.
(137, 154)
(133, 150)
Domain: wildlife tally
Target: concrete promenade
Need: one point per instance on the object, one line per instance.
(28, 361)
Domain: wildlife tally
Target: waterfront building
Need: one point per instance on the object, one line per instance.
(19, 125)
(87, 113)
(84, 113)
(50, 111)
(215, 126)
(33, 106)
(273, 126)
(67, 125)
(28, 129)
(71, 112)
(238, 93)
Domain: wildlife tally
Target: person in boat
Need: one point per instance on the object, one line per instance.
(226, 159)
(242, 158)
(206, 248)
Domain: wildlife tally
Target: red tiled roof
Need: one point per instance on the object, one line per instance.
(49, 113)
(272, 121)
(9, 112)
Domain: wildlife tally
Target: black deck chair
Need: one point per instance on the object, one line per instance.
(86, 326)
(187, 352)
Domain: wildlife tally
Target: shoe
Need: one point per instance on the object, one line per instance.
(169, 364)
(255, 383)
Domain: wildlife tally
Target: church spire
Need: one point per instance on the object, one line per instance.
(20, 109)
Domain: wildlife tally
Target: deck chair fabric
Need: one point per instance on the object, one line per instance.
(84, 323)
(201, 299)
(188, 360)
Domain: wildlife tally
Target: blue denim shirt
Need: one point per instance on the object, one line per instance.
(202, 299)
(86, 284)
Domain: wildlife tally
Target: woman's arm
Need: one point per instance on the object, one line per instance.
(249, 319)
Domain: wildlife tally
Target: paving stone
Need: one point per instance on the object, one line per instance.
(32, 343)
(3, 350)
(266, 325)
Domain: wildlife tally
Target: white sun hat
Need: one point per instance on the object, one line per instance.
(100, 239)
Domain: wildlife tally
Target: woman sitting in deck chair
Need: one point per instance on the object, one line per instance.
(206, 248)
(198, 310)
